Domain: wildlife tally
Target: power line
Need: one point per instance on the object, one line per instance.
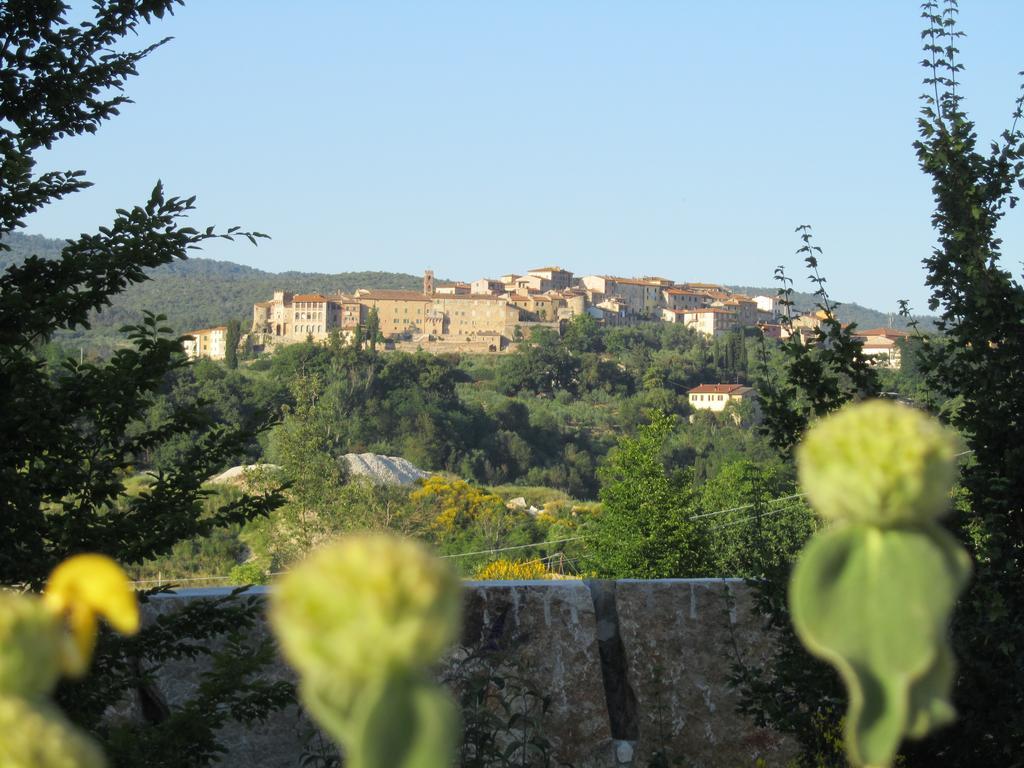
(748, 518)
(745, 506)
(509, 549)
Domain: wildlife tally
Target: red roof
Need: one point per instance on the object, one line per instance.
(717, 389)
(889, 333)
(308, 297)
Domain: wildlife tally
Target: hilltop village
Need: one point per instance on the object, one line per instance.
(491, 315)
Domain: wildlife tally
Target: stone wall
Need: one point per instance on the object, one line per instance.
(591, 674)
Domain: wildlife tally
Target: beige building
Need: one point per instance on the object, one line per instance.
(539, 307)
(711, 321)
(882, 345)
(559, 279)
(642, 297)
(296, 316)
(531, 283)
(745, 308)
(210, 343)
(487, 285)
(402, 315)
(453, 289)
(682, 298)
(717, 397)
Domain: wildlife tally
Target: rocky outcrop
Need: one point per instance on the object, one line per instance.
(387, 470)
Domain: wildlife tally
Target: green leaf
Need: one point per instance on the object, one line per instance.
(403, 722)
(875, 603)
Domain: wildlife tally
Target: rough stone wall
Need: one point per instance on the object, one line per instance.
(591, 674)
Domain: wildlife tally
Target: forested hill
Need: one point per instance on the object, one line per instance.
(852, 312)
(201, 292)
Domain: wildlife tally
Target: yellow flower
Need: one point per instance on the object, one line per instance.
(82, 589)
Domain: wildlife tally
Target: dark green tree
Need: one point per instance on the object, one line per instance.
(805, 378)
(583, 334)
(231, 341)
(62, 466)
(978, 361)
(373, 328)
(644, 528)
(975, 363)
(69, 442)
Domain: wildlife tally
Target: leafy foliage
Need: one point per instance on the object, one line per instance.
(882, 473)
(644, 528)
(819, 373)
(978, 365)
(73, 432)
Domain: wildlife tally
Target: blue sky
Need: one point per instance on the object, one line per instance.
(477, 138)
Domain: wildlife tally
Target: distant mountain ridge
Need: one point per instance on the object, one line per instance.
(198, 293)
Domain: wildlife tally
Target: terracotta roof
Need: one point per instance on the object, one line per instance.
(719, 389)
(550, 269)
(393, 296)
(206, 330)
(308, 297)
(633, 281)
(704, 310)
(471, 296)
(889, 333)
(684, 292)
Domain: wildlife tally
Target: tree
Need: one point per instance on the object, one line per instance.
(373, 328)
(644, 528)
(819, 374)
(974, 362)
(69, 437)
(231, 341)
(62, 467)
(583, 334)
(978, 362)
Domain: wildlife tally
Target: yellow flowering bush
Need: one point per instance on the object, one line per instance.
(512, 570)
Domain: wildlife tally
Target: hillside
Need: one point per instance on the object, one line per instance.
(864, 317)
(201, 292)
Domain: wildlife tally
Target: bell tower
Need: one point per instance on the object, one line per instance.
(428, 282)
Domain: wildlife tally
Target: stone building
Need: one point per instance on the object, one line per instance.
(402, 316)
(711, 321)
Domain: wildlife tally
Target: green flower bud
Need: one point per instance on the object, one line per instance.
(37, 735)
(879, 463)
(30, 645)
(365, 608)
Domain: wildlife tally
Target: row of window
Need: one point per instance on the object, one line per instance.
(709, 397)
